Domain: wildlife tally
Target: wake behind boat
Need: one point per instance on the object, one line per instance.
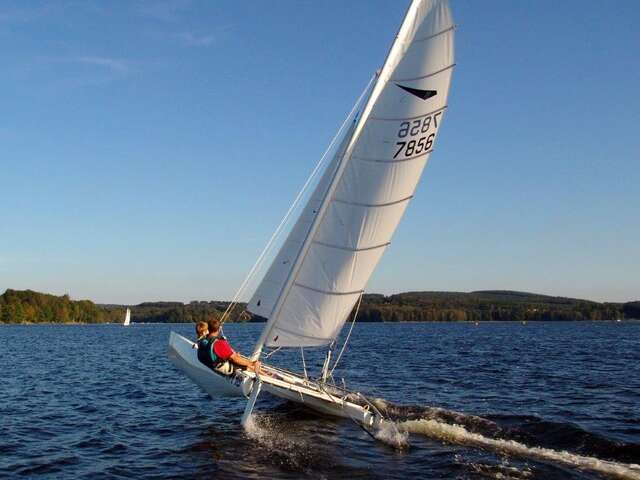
(358, 197)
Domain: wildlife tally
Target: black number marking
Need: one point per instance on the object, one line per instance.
(410, 147)
(402, 144)
(418, 126)
(415, 147)
(429, 143)
(415, 129)
(426, 123)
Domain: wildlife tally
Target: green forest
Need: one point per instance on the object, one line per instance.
(27, 306)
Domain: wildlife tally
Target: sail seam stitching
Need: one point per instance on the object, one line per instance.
(424, 76)
(379, 160)
(348, 249)
(386, 119)
(373, 204)
(326, 292)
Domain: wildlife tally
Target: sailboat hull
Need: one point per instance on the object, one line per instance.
(322, 398)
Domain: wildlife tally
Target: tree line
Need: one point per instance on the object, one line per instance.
(27, 306)
(485, 306)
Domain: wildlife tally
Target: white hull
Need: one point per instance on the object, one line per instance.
(320, 397)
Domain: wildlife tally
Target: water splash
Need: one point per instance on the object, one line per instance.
(263, 429)
(252, 429)
(389, 433)
(279, 445)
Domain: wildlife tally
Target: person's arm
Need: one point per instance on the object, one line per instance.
(245, 362)
(224, 350)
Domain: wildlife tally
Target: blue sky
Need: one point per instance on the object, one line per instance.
(149, 149)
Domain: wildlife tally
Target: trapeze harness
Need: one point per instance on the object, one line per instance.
(207, 356)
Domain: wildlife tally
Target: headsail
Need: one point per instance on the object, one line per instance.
(324, 265)
(266, 295)
(127, 317)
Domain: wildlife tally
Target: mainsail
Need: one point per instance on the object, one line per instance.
(326, 261)
(127, 317)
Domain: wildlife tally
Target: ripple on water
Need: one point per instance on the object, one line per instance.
(104, 402)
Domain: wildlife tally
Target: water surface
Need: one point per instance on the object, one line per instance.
(100, 401)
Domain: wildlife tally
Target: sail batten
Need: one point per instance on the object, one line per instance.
(326, 292)
(380, 160)
(422, 77)
(404, 119)
(373, 205)
(349, 249)
(450, 29)
(327, 260)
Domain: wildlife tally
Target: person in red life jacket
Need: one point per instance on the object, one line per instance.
(215, 352)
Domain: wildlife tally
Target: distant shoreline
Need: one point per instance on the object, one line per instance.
(29, 307)
(80, 324)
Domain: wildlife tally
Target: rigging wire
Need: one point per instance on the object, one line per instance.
(346, 340)
(304, 364)
(234, 302)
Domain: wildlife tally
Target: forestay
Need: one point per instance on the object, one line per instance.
(332, 250)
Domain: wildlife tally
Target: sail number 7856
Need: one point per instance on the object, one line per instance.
(415, 146)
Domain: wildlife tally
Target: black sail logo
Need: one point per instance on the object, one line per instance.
(423, 94)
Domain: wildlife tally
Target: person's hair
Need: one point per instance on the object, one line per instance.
(214, 324)
(201, 329)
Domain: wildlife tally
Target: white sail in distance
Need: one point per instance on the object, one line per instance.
(127, 317)
(324, 265)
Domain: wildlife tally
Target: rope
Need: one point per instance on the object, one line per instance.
(225, 315)
(346, 340)
(370, 403)
(272, 352)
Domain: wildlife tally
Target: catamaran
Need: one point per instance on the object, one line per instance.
(127, 318)
(355, 199)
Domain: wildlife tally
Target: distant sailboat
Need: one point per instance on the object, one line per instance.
(320, 272)
(127, 318)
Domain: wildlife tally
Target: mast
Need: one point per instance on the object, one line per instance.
(379, 85)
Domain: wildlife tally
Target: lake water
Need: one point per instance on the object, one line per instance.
(494, 400)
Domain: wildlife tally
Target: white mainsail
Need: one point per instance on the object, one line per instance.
(323, 266)
(127, 317)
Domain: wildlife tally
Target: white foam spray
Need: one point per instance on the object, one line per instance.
(389, 433)
(270, 434)
(266, 433)
(252, 429)
(459, 435)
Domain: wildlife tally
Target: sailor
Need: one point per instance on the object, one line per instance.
(203, 345)
(215, 352)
